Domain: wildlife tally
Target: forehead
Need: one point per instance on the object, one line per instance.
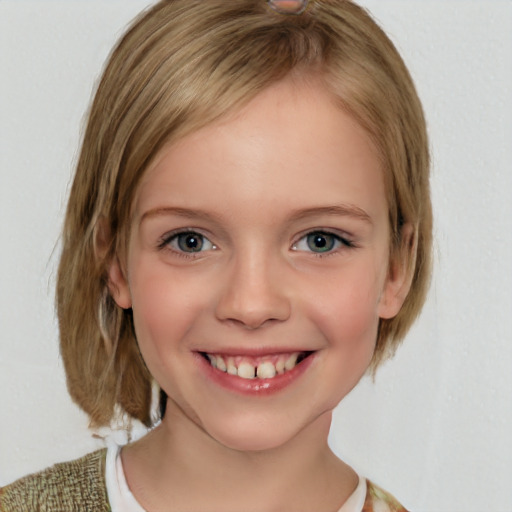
(289, 146)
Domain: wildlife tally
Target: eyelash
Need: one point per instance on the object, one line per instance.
(168, 239)
(339, 242)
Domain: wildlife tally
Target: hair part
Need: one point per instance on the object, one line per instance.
(181, 65)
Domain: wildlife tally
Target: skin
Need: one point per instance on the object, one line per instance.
(255, 185)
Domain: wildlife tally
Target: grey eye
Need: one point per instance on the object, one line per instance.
(321, 242)
(190, 242)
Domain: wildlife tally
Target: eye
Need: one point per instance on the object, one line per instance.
(189, 242)
(320, 242)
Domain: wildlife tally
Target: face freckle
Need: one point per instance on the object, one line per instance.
(261, 237)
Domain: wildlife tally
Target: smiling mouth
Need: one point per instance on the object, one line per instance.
(264, 367)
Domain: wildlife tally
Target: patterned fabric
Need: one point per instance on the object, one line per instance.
(73, 486)
(79, 486)
(378, 500)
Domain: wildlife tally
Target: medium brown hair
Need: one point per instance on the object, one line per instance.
(181, 65)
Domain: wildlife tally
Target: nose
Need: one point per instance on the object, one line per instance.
(254, 293)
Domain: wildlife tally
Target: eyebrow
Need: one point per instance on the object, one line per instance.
(344, 210)
(178, 211)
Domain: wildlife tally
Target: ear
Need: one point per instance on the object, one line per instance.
(400, 274)
(117, 282)
(118, 285)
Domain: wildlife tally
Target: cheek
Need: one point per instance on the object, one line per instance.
(166, 305)
(347, 311)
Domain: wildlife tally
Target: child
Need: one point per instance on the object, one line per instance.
(249, 231)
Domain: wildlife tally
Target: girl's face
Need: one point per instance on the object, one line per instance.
(258, 267)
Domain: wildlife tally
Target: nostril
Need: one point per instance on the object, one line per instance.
(251, 323)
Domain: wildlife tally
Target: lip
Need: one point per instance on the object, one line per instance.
(254, 387)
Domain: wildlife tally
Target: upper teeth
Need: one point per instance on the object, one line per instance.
(247, 368)
(266, 370)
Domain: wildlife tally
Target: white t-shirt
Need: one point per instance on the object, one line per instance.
(122, 500)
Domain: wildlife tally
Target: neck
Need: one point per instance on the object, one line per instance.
(178, 458)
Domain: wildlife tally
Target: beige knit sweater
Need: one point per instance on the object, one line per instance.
(74, 486)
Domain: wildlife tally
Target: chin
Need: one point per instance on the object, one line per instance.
(253, 441)
(253, 434)
(250, 432)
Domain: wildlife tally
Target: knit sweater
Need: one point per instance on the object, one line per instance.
(79, 486)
